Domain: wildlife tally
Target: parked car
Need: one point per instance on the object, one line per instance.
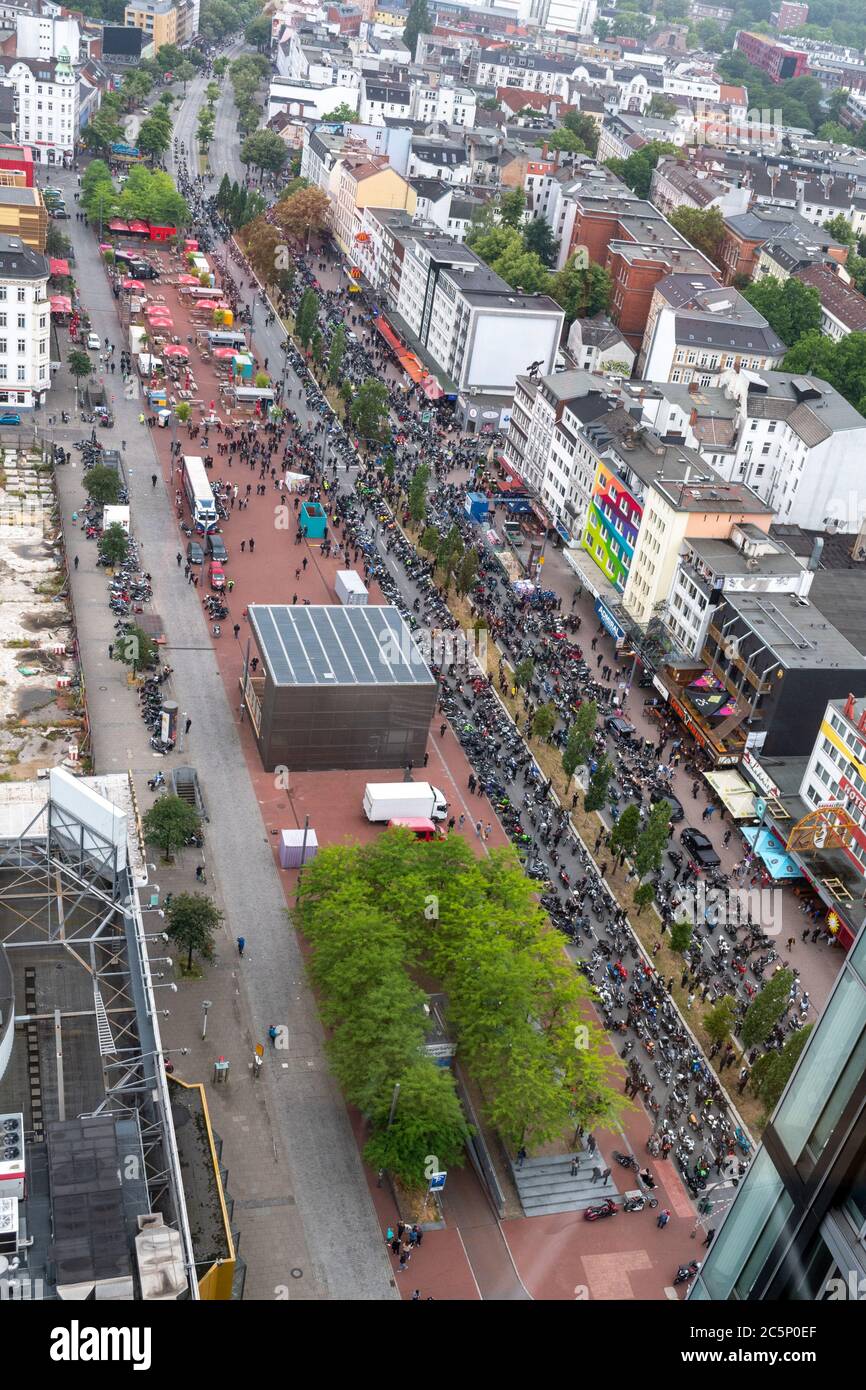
(194, 553)
(94, 342)
(59, 212)
(216, 547)
(10, 417)
(700, 848)
(216, 575)
(615, 724)
(677, 812)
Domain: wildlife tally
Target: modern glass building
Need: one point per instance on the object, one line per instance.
(797, 1227)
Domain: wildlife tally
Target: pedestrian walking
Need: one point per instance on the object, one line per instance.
(243, 547)
(478, 828)
(241, 945)
(153, 480)
(179, 559)
(709, 1237)
(187, 726)
(663, 1219)
(605, 1175)
(521, 1156)
(237, 630)
(252, 545)
(442, 728)
(691, 1000)
(596, 1175)
(575, 1164)
(790, 943)
(591, 1144)
(111, 651)
(75, 563)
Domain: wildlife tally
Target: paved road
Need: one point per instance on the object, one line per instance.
(330, 1227)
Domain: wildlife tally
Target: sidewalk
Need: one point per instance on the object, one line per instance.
(317, 1216)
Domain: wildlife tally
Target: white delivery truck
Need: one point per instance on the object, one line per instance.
(383, 801)
(350, 587)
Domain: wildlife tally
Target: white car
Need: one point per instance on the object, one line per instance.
(94, 341)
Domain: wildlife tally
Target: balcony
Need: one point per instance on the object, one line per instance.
(760, 687)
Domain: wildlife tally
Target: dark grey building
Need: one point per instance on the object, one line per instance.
(337, 688)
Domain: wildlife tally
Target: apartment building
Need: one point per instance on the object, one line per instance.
(683, 502)
(534, 72)
(678, 185)
(365, 181)
(748, 559)
(776, 59)
(445, 103)
(571, 16)
(157, 18)
(843, 309)
(747, 232)
(47, 97)
(596, 345)
(696, 329)
(836, 771)
(477, 331)
(25, 324)
(379, 99)
(800, 447)
(23, 214)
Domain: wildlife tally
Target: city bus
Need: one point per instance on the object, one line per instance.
(199, 494)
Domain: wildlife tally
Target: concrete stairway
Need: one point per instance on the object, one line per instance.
(545, 1185)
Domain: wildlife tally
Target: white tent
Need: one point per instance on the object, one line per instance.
(296, 482)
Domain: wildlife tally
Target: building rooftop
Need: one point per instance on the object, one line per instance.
(811, 406)
(837, 298)
(723, 557)
(331, 645)
(800, 637)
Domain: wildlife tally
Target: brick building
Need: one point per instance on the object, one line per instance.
(777, 60)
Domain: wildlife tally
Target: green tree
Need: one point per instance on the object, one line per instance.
(449, 553)
(429, 541)
(265, 150)
(258, 32)
(681, 937)
(336, 354)
(154, 136)
(772, 1070)
(653, 839)
(192, 921)
(135, 649)
(584, 127)
(766, 1009)
(720, 1019)
(344, 114)
(503, 250)
(428, 1120)
(792, 309)
(512, 206)
(467, 572)
(183, 73)
(624, 835)
(662, 106)
(581, 293)
(524, 673)
(102, 485)
(169, 824)
(566, 142)
(596, 795)
(224, 193)
(544, 721)
(417, 23)
(835, 133)
(370, 409)
(581, 738)
(643, 895)
(114, 544)
(539, 239)
(704, 227)
(709, 35)
(307, 317)
(80, 366)
(841, 363)
(637, 170)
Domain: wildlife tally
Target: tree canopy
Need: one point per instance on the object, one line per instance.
(791, 309)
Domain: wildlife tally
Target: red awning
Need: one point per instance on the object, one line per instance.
(139, 227)
(511, 472)
(57, 266)
(60, 304)
(117, 226)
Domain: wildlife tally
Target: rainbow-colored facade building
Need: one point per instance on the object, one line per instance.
(612, 524)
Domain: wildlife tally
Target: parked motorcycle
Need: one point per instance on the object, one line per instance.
(598, 1213)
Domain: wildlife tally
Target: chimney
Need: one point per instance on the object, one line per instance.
(815, 557)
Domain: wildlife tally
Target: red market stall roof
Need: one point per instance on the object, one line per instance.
(139, 227)
(115, 225)
(176, 350)
(61, 304)
(58, 266)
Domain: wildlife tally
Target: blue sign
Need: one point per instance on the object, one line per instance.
(607, 620)
(437, 1182)
(562, 531)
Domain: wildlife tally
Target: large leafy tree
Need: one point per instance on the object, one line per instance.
(596, 794)
(637, 170)
(843, 364)
(192, 921)
(771, 1071)
(503, 249)
(766, 1009)
(581, 738)
(304, 213)
(791, 309)
(307, 317)
(653, 838)
(703, 227)
(265, 150)
(417, 23)
(369, 409)
(582, 293)
(584, 127)
(539, 239)
(169, 823)
(624, 835)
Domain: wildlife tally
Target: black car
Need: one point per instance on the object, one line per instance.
(141, 270)
(700, 848)
(194, 553)
(615, 724)
(677, 812)
(216, 547)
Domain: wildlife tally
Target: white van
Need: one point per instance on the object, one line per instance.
(226, 337)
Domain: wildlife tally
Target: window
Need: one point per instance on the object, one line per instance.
(22, 321)
(22, 295)
(22, 345)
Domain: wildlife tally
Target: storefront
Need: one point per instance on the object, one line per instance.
(734, 793)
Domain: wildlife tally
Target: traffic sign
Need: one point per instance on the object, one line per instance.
(437, 1182)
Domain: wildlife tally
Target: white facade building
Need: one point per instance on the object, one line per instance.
(25, 325)
(46, 35)
(571, 16)
(46, 103)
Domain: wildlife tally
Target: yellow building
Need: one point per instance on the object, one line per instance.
(366, 181)
(158, 19)
(23, 214)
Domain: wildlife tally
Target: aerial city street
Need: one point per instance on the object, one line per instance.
(433, 528)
